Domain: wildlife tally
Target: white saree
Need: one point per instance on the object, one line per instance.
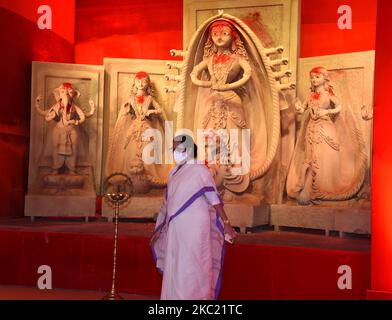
(188, 241)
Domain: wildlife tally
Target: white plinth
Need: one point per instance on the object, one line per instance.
(351, 219)
(61, 206)
(247, 215)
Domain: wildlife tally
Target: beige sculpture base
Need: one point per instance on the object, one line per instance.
(344, 217)
(60, 206)
(138, 207)
(247, 215)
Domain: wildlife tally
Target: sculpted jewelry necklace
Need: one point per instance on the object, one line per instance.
(221, 66)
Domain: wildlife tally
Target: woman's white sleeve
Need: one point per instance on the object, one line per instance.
(212, 198)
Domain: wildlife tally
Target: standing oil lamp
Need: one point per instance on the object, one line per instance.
(118, 189)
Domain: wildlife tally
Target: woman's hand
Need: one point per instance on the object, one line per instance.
(230, 231)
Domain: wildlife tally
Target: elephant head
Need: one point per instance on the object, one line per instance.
(66, 94)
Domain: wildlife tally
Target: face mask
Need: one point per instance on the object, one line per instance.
(179, 157)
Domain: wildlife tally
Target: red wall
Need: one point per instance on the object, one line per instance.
(93, 29)
(382, 156)
(127, 29)
(22, 42)
(149, 29)
(320, 34)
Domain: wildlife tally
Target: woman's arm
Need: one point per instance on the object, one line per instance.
(222, 213)
(197, 70)
(228, 228)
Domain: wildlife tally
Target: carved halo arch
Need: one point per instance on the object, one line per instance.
(185, 101)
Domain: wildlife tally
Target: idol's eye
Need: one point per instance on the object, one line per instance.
(226, 33)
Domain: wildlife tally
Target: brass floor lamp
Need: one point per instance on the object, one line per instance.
(117, 191)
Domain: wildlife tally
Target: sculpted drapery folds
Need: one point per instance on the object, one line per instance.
(329, 161)
(65, 146)
(137, 115)
(227, 85)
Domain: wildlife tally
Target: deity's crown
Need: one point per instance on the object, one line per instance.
(141, 75)
(67, 85)
(320, 70)
(220, 23)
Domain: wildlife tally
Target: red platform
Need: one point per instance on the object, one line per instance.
(263, 265)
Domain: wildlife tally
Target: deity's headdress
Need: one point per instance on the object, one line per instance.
(221, 24)
(321, 70)
(324, 72)
(66, 85)
(143, 75)
(237, 45)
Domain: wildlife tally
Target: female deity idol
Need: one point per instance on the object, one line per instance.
(225, 61)
(329, 161)
(229, 95)
(137, 115)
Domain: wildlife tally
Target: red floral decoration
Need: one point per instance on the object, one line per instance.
(221, 58)
(315, 95)
(140, 99)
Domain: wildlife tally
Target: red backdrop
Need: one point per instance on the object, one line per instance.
(127, 29)
(320, 34)
(382, 159)
(90, 30)
(148, 29)
(22, 42)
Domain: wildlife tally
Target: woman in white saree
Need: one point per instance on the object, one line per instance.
(188, 241)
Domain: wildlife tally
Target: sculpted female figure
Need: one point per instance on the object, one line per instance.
(226, 93)
(329, 161)
(228, 90)
(138, 114)
(225, 61)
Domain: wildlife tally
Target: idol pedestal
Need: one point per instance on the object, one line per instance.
(62, 195)
(60, 206)
(247, 215)
(343, 217)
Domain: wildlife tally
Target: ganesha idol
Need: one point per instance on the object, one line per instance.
(139, 116)
(66, 145)
(229, 91)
